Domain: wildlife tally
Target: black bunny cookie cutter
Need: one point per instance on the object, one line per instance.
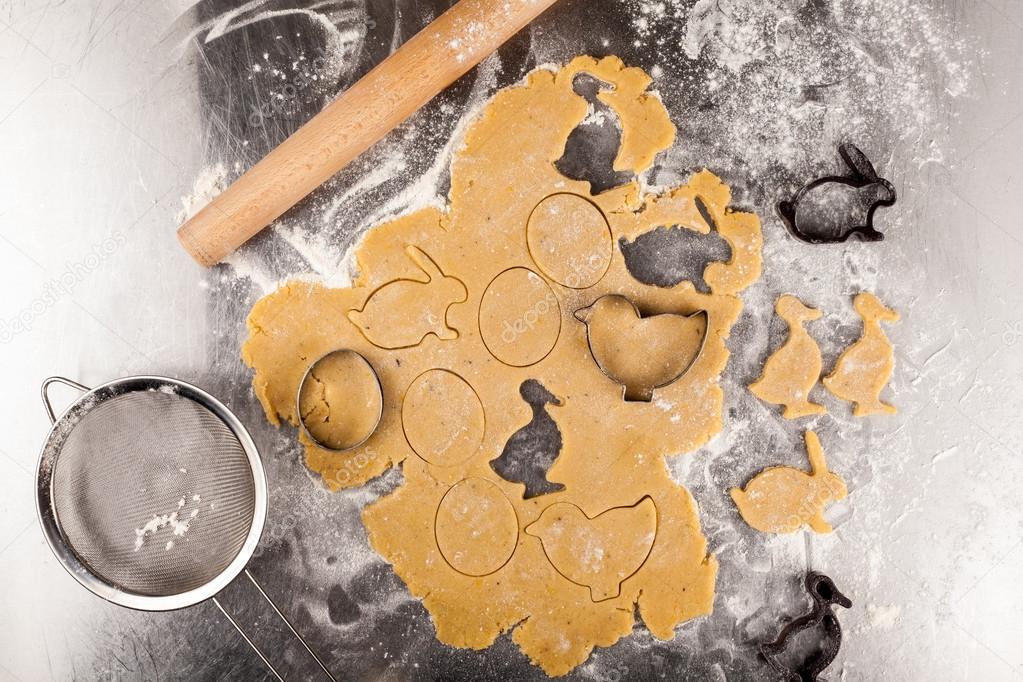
(831, 209)
(825, 595)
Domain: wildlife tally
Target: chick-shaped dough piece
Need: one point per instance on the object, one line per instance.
(782, 499)
(864, 369)
(794, 369)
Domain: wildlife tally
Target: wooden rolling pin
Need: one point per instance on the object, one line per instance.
(399, 86)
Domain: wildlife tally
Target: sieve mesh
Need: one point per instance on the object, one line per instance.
(152, 491)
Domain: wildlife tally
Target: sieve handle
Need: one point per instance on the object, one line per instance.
(287, 622)
(46, 395)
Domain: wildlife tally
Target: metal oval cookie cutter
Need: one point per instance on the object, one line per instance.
(305, 388)
(165, 455)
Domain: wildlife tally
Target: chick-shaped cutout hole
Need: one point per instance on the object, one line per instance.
(402, 313)
(476, 527)
(782, 499)
(443, 418)
(569, 239)
(520, 317)
(340, 400)
(598, 552)
(641, 353)
(864, 368)
(793, 370)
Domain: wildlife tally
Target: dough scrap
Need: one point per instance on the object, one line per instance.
(783, 500)
(613, 451)
(864, 368)
(794, 369)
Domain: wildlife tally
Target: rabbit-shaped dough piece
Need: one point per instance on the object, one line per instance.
(782, 499)
(834, 208)
(402, 313)
(794, 368)
(863, 370)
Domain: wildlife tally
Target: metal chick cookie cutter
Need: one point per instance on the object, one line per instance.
(370, 375)
(605, 318)
(825, 595)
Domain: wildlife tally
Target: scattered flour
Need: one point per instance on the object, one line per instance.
(884, 617)
(177, 521)
(210, 182)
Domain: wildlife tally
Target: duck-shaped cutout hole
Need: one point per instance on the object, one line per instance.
(598, 552)
(783, 500)
(667, 256)
(864, 368)
(820, 623)
(791, 373)
(834, 208)
(641, 353)
(592, 148)
(402, 313)
(530, 452)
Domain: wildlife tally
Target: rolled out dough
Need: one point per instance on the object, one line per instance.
(522, 286)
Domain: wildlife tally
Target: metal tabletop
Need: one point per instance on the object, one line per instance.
(116, 116)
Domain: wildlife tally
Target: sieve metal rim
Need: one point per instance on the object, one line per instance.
(55, 537)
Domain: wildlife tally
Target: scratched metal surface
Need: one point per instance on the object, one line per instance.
(104, 124)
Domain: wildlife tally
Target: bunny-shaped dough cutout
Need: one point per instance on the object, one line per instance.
(385, 320)
(794, 368)
(782, 499)
(834, 208)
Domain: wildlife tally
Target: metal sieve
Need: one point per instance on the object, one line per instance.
(152, 495)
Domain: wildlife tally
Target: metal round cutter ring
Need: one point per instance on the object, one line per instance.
(377, 395)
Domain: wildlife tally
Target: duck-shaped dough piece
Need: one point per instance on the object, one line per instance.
(641, 353)
(599, 552)
(865, 367)
(782, 499)
(826, 629)
(794, 369)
